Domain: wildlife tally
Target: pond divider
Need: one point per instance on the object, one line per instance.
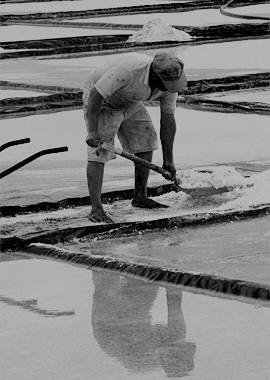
(19, 107)
(72, 98)
(154, 274)
(109, 230)
(7, 85)
(210, 105)
(112, 44)
(230, 4)
(120, 11)
(109, 197)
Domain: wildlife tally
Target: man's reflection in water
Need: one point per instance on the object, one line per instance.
(121, 319)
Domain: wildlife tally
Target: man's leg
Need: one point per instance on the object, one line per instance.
(141, 179)
(109, 123)
(137, 134)
(95, 171)
(141, 176)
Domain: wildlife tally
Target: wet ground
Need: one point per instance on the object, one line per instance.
(63, 322)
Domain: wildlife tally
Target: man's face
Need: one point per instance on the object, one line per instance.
(156, 81)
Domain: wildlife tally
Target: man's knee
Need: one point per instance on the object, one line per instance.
(145, 155)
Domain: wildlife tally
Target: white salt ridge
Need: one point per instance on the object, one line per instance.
(158, 30)
(216, 177)
(180, 204)
(258, 194)
(2, 50)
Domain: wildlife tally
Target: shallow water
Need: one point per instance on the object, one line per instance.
(238, 250)
(60, 6)
(107, 326)
(202, 17)
(25, 32)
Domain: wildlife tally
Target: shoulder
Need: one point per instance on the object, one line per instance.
(133, 61)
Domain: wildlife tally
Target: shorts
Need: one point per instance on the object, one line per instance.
(133, 126)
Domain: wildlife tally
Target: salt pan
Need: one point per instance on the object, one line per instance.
(158, 30)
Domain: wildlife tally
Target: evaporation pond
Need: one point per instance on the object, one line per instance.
(63, 322)
(238, 250)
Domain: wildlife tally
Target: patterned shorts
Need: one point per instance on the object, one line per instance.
(133, 126)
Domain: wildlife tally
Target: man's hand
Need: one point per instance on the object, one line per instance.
(93, 139)
(169, 166)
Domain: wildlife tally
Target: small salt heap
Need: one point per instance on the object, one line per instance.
(158, 30)
(213, 177)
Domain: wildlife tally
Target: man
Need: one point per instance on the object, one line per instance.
(113, 105)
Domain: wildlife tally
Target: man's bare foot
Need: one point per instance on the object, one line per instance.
(147, 203)
(100, 217)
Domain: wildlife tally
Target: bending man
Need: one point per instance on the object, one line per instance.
(113, 105)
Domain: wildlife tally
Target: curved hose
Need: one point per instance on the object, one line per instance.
(14, 142)
(32, 158)
(225, 12)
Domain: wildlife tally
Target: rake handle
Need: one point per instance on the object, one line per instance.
(138, 160)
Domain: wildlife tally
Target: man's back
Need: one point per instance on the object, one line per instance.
(124, 81)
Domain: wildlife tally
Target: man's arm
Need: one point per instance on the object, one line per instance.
(92, 116)
(167, 134)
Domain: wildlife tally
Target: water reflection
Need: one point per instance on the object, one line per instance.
(32, 305)
(12, 257)
(123, 327)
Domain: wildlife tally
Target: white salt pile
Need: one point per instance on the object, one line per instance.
(215, 177)
(253, 196)
(158, 30)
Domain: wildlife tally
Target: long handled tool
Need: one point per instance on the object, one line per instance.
(192, 191)
(140, 161)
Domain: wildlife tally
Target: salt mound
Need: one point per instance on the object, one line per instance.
(213, 177)
(158, 30)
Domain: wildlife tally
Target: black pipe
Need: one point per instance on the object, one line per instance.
(15, 142)
(223, 11)
(32, 158)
